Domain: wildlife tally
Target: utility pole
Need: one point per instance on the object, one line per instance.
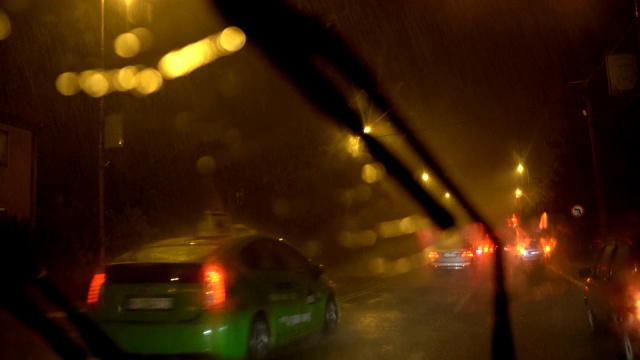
(602, 209)
(101, 163)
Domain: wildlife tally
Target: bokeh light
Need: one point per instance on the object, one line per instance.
(94, 83)
(67, 84)
(144, 81)
(5, 25)
(372, 173)
(357, 239)
(127, 45)
(148, 81)
(206, 165)
(145, 38)
(231, 39)
(125, 79)
(183, 61)
(354, 146)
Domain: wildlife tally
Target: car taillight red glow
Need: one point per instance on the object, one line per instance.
(214, 286)
(467, 254)
(94, 289)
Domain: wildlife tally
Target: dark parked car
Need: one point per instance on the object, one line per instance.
(612, 296)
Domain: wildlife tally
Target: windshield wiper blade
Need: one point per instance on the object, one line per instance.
(272, 26)
(294, 42)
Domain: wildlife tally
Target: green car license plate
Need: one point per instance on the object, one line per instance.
(149, 304)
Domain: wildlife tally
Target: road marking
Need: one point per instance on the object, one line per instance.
(416, 356)
(567, 277)
(462, 302)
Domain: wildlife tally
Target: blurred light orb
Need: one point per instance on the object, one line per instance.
(402, 265)
(125, 79)
(344, 239)
(67, 84)
(354, 146)
(232, 39)
(367, 238)
(144, 36)
(389, 229)
(173, 65)
(377, 265)
(408, 225)
(94, 83)
(127, 45)
(372, 173)
(206, 165)
(518, 193)
(5, 25)
(183, 61)
(148, 81)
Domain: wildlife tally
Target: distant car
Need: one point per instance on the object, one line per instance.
(612, 295)
(224, 297)
(532, 253)
(452, 257)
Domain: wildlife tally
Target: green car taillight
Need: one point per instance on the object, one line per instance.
(214, 286)
(93, 296)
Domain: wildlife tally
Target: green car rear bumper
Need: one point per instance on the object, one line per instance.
(218, 335)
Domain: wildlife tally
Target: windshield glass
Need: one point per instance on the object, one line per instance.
(128, 122)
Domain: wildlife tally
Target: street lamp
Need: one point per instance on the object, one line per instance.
(425, 176)
(367, 129)
(520, 169)
(518, 193)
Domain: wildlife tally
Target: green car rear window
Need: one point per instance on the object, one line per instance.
(171, 253)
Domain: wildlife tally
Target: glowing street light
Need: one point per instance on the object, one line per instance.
(447, 195)
(518, 193)
(520, 168)
(367, 129)
(425, 176)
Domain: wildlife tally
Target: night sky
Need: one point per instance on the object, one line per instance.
(484, 83)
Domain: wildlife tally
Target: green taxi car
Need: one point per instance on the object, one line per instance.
(225, 296)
